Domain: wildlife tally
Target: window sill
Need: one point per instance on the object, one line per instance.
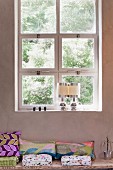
(49, 111)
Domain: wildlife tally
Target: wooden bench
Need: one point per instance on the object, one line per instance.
(96, 165)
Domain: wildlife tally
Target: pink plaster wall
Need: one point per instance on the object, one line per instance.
(66, 126)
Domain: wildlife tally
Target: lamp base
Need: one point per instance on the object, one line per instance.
(73, 106)
(62, 106)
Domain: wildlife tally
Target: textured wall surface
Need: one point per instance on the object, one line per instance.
(66, 126)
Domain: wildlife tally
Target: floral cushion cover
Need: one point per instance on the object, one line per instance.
(37, 160)
(80, 149)
(28, 147)
(9, 144)
(75, 160)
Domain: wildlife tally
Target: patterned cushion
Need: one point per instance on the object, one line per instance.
(75, 160)
(9, 147)
(8, 161)
(14, 135)
(9, 144)
(37, 160)
(86, 148)
(28, 147)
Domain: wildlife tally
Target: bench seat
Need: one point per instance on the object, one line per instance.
(56, 165)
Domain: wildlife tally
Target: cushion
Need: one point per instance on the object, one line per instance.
(75, 160)
(80, 149)
(9, 147)
(10, 135)
(8, 161)
(37, 160)
(28, 147)
(9, 144)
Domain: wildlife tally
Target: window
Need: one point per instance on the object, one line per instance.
(57, 41)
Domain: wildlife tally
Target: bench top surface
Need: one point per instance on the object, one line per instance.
(97, 164)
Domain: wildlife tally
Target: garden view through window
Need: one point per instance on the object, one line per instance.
(57, 38)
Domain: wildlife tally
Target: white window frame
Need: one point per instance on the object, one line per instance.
(58, 71)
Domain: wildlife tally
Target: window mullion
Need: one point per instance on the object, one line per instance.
(97, 16)
(35, 70)
(20, 91)
(58, 40)
(76, 35)
(37, 36)
(19, 17)
(58, 16)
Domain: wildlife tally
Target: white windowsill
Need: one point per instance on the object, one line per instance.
(48, 111)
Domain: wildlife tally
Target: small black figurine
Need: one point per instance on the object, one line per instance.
(34, 108)
(45, 108)
(39, 108)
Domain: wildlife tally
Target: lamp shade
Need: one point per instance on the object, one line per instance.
(74, 89)
(63, 89)
(70, 90)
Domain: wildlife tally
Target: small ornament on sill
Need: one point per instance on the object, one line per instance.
(45, 108)
(108, 151)
(39, 108)
(34, 108)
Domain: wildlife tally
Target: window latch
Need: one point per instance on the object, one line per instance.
(78, 35)
(38, 72)
(38, 35)
(78, 72)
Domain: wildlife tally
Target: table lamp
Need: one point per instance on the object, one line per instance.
(63, 92)
(74, 92)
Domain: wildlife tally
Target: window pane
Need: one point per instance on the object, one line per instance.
(38, 16)
(78, 16)
(77, 53)
(37, 90)
(38, 53)
(86, 87)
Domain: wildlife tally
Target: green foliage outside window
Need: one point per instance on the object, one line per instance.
(37, 90)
